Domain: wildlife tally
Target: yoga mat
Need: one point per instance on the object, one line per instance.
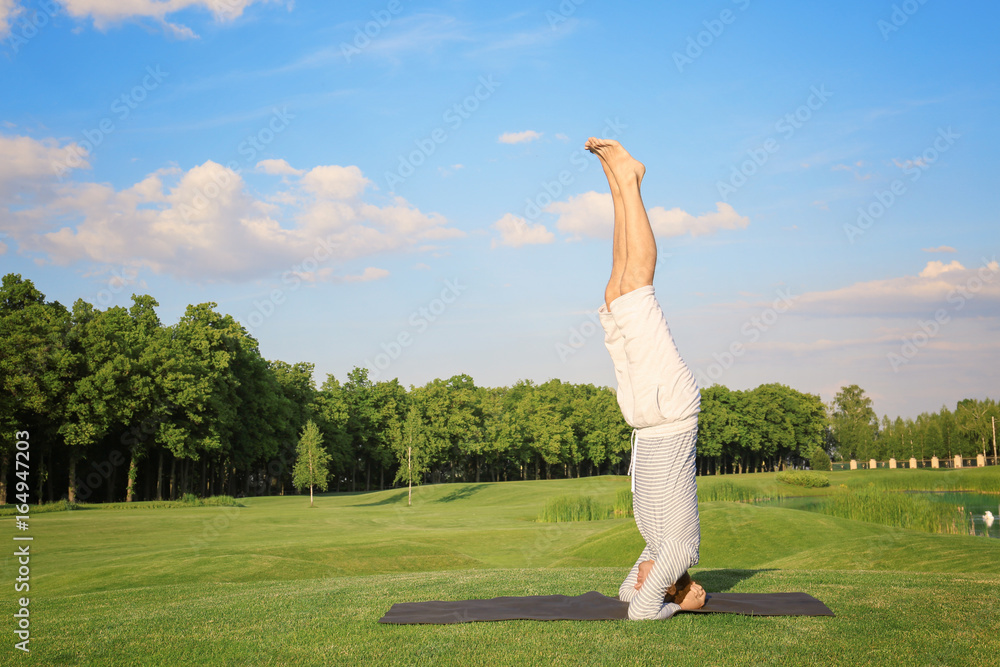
(593, 606)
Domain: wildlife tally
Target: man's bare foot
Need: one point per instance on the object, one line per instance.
(623, 165)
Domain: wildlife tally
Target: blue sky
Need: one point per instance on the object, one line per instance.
(403, 179)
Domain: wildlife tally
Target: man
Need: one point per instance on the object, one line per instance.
(659, 399)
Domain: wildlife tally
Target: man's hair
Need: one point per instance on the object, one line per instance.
(683, 587)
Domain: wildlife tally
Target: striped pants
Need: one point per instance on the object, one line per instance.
(659, 398)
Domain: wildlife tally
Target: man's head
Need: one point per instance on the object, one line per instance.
(686, 592)
(679, 590)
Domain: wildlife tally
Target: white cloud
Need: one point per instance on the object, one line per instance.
(448, 171)
(334, 182)
(592, 214)
(327, 274)
(589, 214)
(941, 248)
(676, 222)
(370, 273)
(935, 268)
(203, 223)
(23, 159)
(106, 13)
(3, 247)
(519, 137)
(854, 169)
(8, 10)
(952, 287)
(278, 167)
(516, 232)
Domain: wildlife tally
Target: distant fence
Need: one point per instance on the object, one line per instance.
(978, 461)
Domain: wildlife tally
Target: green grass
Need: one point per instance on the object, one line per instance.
(188, 500)
(275, 582)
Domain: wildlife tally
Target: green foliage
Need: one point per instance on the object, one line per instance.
(312, 465)
(804, 478)
(198, 396)
(820, 460)
(772, 420)
(903, 510)
(575, 508)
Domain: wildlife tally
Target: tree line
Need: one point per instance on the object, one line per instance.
(859, 434)
(120, 406)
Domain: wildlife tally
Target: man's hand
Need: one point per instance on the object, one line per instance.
(644, 568)
(695, 598)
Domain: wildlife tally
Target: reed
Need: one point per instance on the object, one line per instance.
(575, 508)
(739, 493)
(888, 508)
(623, 503)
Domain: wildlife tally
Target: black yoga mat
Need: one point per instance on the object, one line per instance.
(593, 606)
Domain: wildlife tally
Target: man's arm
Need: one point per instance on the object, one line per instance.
(627, 591)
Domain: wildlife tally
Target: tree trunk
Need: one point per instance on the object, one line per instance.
(159, 478)
(381, 477)
(477, 469)
(368, 476)
(133, 473)
(4, 461)
(72, 479)
(173, 478)
(40, 475)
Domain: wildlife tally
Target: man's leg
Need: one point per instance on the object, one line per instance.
(640, 244)
(619, 251)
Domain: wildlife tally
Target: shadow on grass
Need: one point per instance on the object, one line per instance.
(388, 500)
(461, 494)
(720, 581)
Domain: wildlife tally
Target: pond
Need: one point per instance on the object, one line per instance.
(975, 503)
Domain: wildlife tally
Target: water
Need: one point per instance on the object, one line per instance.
(975, 503)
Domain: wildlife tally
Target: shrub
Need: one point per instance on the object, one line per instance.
(820, 460)
(803, 478)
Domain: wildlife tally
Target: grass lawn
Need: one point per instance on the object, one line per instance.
(276, 582)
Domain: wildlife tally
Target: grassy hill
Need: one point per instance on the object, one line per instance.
(277, 582)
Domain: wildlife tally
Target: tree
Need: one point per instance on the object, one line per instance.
(974, 422)
(820, 460)
(35, 368)
(312, 464)
(854, 423)
(332, 414)
(411, 452)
